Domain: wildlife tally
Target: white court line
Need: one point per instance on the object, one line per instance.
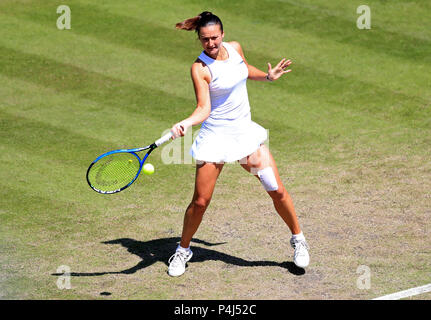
(406, 293)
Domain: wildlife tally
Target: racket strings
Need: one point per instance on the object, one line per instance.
(114, 171)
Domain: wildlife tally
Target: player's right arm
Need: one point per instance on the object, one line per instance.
(201, 78)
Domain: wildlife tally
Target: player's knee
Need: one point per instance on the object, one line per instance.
(268, 179)
(201, 203)
(279, 195)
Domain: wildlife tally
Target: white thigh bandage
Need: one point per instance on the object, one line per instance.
(267, 178)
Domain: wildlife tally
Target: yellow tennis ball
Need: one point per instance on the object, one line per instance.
(148, 168)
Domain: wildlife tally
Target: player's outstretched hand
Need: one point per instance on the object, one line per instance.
(279, 69)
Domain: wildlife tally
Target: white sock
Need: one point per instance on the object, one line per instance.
(179, 248)
(299, 236)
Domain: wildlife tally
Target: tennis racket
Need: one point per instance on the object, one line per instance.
(116, 170)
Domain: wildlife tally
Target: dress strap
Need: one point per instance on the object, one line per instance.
(203, 57)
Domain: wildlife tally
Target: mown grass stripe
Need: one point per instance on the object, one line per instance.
(266, 58)
(92, 54)
(101, 24)
(91, 19)
(89, 85)
(387, 15)
(44, 139)
(333, 28)
(92, 119)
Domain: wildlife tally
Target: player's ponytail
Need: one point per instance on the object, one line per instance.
(202, 20)
(188, 24)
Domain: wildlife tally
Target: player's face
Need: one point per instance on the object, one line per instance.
(211, 38)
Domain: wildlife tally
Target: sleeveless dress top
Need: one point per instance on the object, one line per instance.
(228, 134)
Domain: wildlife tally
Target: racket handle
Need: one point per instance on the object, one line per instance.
(163, 139)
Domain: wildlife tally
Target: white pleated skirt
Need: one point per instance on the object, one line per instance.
(223, 142)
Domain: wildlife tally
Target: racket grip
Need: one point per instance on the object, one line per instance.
(163, 139)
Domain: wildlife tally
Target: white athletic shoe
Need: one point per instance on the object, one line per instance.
(301, 257)
(177, 262)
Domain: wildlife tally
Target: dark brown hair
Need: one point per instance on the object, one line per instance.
(202, 20)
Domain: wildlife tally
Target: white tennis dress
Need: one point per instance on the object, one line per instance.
(228, 134)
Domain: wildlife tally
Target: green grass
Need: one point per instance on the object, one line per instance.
(352, 119)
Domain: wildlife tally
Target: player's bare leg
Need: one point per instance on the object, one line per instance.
(283, 203)
(206, 178)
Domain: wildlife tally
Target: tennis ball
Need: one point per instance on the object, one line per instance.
(148, 168)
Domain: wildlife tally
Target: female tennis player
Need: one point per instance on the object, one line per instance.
(227, 133)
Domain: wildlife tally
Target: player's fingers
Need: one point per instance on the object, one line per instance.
(269, 67)
(181, 130)
(286, 64)
(175, 132)
(281, 63)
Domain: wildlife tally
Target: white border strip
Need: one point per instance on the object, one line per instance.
(406, 293)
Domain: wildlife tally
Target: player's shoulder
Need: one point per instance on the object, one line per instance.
(199, 70)
(236, 45)
(198, 66)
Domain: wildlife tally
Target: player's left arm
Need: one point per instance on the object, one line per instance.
(256, 74)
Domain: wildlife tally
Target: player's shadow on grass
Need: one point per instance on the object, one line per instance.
(161, 249)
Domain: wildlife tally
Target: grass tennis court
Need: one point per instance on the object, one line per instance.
(349, 127)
